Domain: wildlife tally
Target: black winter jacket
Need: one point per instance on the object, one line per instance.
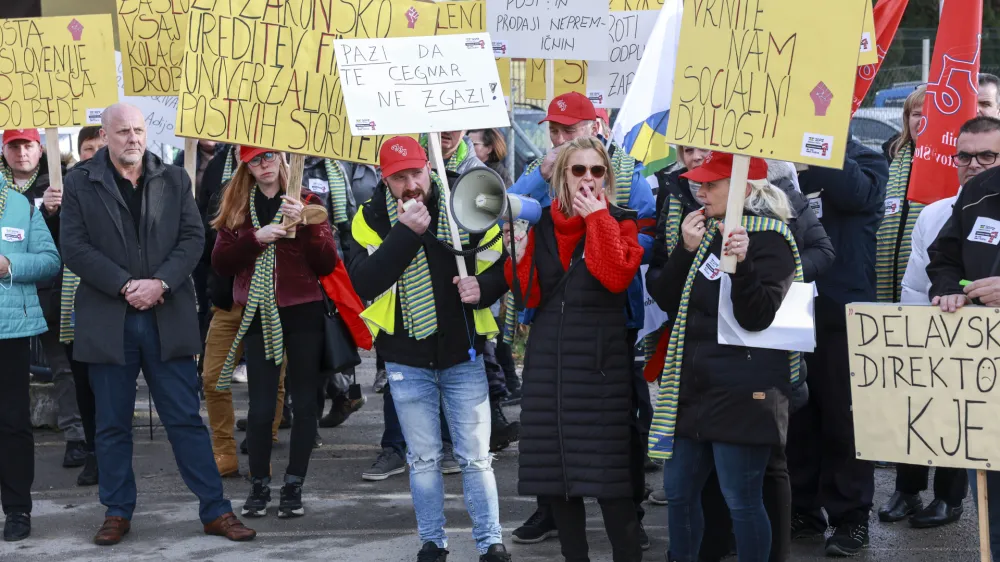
(851, 206)
(314, 178)
(374, 274)
(731, 394)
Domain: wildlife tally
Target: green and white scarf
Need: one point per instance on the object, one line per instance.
(338, 191)
(892, 247)
(261, 298)
(416, 290)
(8, 175)
(661, 432)
(456, 159)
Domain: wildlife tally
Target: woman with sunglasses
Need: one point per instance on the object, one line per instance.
(277, 283)
(577, 435)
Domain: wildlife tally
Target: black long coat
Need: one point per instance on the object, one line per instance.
(576, 410)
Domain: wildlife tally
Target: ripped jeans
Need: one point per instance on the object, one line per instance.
(463, 393)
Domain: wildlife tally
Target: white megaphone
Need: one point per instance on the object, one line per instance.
(480, 200)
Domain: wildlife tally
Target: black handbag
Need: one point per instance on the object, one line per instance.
(340, 353)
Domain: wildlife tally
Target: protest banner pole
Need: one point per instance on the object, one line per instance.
(54, 156)
(734, 206)
(191, 160)
(296, 166)
(550, 81)
(434, 141)
(982, 503)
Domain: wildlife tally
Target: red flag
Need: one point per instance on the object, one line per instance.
(888, 14)
(950, 101)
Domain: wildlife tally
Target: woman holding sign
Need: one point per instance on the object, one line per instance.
(277, 283)
(577, 434)
(724, 406)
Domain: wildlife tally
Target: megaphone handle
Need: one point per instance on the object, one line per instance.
(434, 140)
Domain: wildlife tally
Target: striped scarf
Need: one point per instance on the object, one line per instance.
(671, 231)
(456, 159)
(661, 432)
(893, 249)
(230, 167)
(4, 188)
(416, 290)
(338, 191)
(260, 298)
(8, 175)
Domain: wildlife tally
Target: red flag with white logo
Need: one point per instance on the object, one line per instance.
(888, 14)
(950, 101)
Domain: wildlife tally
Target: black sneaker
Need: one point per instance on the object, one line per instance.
(286, 419)
(243, 447)
(848, 540)
(389, 463)
(537, 528)
(241, 424)
(643, 537)
(430, 552)
(496, 553)
(260, 495)
(17, 527)
(291, 498)
(806, 527)
(89, 475)
(76, 454)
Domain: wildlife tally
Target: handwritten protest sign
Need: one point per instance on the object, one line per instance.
(635, 5)
(420, 84)
(263, 73)
(151, 34)
(160, 112)
(549, 29)
(56, 72)
(924, 384)
(869, 48)
(608, 82)
(470, 17)
(749, 79)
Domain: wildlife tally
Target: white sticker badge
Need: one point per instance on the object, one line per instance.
(318, 186)
(12, 234)
(986, 231)
(893, 205)
(710, 269)
(94, 116)
(816, 204)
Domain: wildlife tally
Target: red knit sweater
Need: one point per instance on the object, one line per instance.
(611, 253)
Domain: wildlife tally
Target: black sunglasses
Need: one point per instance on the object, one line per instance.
(579, 170)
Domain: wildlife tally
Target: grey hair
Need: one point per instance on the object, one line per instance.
(767, 200)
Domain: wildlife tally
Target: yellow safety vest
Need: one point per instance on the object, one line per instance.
(381, 315)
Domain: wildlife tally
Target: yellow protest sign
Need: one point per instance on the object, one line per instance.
(571, 76)
(634, 5)
(924, 384)
(56, 72)
(869, 46)
(461, 17)
(262, 73)
(151, 35)
(772, 79)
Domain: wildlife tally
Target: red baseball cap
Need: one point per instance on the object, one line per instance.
(248, 153)
(570, 109)
(400, 153)
(603, 114)
(719, 165)
(11, 135)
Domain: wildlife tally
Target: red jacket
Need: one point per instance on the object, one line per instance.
(301, 261)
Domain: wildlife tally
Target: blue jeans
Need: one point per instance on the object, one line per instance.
(741, 476)
(462, 390)
(174, 388)
(392, 434)
(992, 483)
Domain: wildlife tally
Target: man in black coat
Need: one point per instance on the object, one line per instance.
(131, 232)
(824, 470)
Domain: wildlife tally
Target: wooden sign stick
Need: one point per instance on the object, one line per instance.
(191, 161)
(734, 207)
(54, 156)
(982, 503)
(296, 167)
(434, 140)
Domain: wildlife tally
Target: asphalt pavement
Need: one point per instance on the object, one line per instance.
(349, 519)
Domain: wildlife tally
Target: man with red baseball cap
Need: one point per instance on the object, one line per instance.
(572, 116)
(431, 338)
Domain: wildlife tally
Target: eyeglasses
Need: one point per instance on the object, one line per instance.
(985, 158)
(266, 157)
(579, 170)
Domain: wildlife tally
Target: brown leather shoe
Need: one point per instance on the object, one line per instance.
(228, 465)
(112, 531)
(227, 525)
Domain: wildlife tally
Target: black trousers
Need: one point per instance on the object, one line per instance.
(824, 471)
(304, 351)
(17, 462)
(619, 522)
(84, 398)
(950, 484)
(717, 540)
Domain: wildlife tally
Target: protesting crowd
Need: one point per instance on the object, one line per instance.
(245, 270)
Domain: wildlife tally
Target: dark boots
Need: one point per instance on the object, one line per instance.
(503, 432)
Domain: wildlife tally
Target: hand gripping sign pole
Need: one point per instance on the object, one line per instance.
(293, 190)
(434, 140)
(734, 206)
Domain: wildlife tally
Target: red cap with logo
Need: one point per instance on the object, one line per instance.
(570, 109)
(11, 135)
(719, 165)
(248, 153)
(603, 114)
(400, 153)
